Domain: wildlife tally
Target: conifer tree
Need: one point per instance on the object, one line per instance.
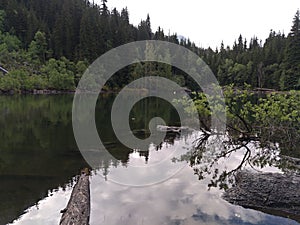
(292, 57)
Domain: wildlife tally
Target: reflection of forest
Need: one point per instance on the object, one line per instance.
(38, 152)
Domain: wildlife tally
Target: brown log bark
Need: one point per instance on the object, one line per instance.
(77, 211)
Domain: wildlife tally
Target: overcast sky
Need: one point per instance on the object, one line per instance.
(209, 22)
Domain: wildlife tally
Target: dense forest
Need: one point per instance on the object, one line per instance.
(49, 45)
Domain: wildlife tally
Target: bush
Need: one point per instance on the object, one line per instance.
(23, 79)
(38, 82)
(59, 76)
(8, 83)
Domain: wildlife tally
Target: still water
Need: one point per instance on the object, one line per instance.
(39, 161)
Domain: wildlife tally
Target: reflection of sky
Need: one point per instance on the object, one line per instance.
(47, 211)
(182, 199)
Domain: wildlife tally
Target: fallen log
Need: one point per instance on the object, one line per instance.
(273, 193)
(173, 129)
(77, 211)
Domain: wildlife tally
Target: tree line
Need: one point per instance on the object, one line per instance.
(49, 44)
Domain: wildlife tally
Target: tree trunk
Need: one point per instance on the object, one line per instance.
(77, 211)
(273, 193)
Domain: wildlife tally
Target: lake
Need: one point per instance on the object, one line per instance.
(39, 161)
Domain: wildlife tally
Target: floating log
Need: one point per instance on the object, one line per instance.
(77, 211)
(173, 129)
(273, 193)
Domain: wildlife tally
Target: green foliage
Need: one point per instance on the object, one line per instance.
(37, 82)
(31, 32)
(20, 80)
(23, 79)
(38, 47)
(81, 67)
(263, 129)
(279, 109)
(9, 42)
(59, 75)
(8, 83)
(246, 113)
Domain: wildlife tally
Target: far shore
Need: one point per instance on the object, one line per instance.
(130, 90)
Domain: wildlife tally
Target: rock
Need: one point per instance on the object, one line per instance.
(273, 193)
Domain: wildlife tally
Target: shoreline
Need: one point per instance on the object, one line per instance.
(58, 92)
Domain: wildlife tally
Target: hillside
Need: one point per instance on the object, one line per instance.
(49, 44)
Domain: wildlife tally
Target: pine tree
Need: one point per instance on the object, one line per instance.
(125, 15)
(292, 60)
(293, 48)
(91, 36)
(240, 43)
(159, 34)
(144, 29)
(38, 47)
(103, 7)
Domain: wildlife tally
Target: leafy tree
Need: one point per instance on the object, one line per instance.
(9, 42)
(38, 47)
(8, 83)
(250, 122)
(37, 82)
(58, 75)
(23, 79)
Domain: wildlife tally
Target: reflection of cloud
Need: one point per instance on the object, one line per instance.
(182, 199)
(159, 166)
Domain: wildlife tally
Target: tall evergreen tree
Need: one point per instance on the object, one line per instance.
(103, 7)
(292, 61)
(144, 29)
(293, 48)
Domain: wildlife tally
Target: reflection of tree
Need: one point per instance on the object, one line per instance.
(38, 150)
(260, 132)
(255, 154)
(213, 150)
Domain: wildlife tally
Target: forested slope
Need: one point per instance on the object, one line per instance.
(49, 44)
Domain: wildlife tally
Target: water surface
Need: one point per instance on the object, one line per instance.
(39, 160)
